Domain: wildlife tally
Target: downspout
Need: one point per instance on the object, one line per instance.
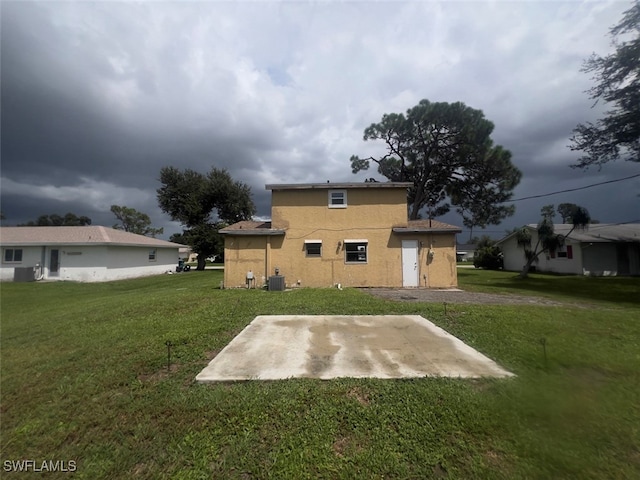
(429, 258)
(423, 255)
(228, 243)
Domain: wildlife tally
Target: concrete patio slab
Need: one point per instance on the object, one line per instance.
(274, 347)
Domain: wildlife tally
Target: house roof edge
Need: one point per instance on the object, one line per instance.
(331, 186)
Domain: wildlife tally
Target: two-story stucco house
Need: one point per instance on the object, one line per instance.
(349, 234)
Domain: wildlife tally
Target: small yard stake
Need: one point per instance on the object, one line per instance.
(445, 308)
(543, 341)
(169, 345)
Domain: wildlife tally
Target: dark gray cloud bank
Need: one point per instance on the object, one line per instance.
(98, 96)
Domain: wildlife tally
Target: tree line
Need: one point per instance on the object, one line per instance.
(130, 220)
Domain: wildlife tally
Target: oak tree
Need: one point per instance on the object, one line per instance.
(617, 135)
(446, 151)
(566, 211)
(203, 204)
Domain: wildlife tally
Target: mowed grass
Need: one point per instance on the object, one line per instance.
(85, 378)
(610, 291)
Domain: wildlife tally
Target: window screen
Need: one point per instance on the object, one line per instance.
(337, 198)
(356, 252)
(313, 249)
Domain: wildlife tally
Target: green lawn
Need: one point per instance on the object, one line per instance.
(85, 378)
(608, 291)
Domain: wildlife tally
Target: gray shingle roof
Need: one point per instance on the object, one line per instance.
(602, 232)
(251, 227)
(331, 186)
(595, 233)
(427, 226)
(91, 235)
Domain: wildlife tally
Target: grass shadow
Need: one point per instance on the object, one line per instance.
(617, 290)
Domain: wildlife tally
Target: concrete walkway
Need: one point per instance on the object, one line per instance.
(320, 346)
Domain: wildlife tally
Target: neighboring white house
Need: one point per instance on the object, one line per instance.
(82, 254)
(602, 249)
(185, 253)
(465, 252)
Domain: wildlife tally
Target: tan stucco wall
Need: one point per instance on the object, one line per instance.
(303, 211)
(441, 270)
(370, 215)
(244, 253)
(383, 268)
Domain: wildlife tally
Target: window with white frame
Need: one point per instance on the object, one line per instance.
(356, 251)
(313, 248)
(337, 199)
(12, 255)
(152, 255)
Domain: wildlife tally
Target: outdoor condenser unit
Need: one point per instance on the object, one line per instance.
(24, 274)
(276, 283)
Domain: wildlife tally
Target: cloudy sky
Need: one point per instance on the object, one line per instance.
(98, 96)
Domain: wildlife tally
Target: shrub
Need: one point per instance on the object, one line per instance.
(488, 257)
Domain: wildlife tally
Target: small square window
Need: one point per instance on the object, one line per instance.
(337, 199)
(565, 251)
(313, 249)
(355, 252)
(13, 255)
(152, 255)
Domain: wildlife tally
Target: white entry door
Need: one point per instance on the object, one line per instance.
(410, 270)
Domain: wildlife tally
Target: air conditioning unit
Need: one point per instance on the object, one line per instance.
(361, 248)
(24, 274)
(276, 283)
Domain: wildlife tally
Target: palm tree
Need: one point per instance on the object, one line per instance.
(548, 240)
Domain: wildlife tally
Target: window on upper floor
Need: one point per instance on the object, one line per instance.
(313, 248)
(337, 199)
(12, 255)
(356, 251)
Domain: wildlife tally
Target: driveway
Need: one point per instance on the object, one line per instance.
(456, 296)
(275, 347)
